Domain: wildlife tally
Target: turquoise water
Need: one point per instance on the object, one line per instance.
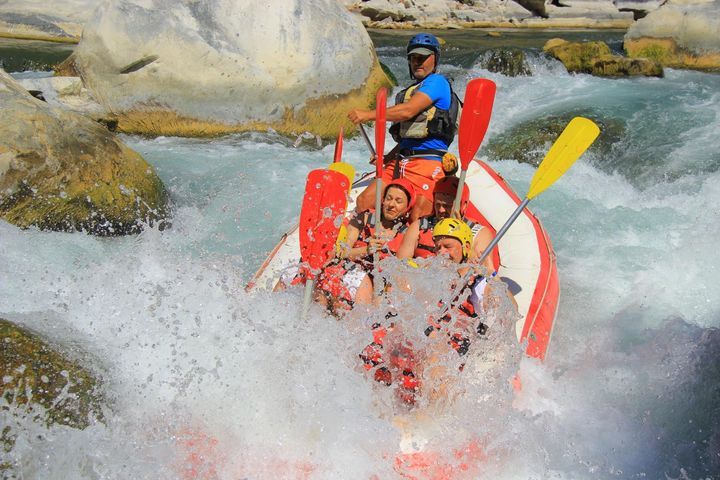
(23, 55)
(630, 385)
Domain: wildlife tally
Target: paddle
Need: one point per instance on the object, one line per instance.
(339, 166)
(321, 216)
(577, 136)
(474, 120)
(338, 147)
(367, 139)
(380, 101)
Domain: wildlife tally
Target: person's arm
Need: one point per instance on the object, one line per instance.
(397, 113)
(480, 242)
(410, 241)
(356, 224)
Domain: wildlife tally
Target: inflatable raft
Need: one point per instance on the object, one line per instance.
(525, 254)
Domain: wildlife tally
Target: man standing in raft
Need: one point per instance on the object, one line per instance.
(424, 125)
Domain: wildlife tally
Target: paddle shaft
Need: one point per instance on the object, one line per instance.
(503, 230)
(458, 193)
(309, 287)
(380, 105)
(378, 227)
(367, 139)
(474, 121)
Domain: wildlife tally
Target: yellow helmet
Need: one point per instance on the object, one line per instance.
(452, 227)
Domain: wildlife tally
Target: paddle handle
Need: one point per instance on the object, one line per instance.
(458, 194)
(309, 287)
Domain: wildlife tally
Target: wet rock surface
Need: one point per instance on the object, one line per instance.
(595, 58)
(529, 141)
(208, 69)
(680, 34)
(60, 170)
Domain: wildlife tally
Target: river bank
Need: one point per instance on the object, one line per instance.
(65, 19)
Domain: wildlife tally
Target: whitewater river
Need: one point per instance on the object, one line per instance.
(207, 381)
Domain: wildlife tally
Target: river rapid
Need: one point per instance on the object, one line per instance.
(207, 381)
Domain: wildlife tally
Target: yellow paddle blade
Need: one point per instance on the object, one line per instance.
(346, 169)
(579, 134)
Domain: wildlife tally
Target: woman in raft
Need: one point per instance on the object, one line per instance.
(348, 279)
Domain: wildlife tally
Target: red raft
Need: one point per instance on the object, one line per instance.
(526, 255)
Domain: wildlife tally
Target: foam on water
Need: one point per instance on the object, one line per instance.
(208, 381)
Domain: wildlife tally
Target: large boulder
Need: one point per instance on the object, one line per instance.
(639, 8)
(529, 141)
(680, 34)
(35, 373)
(578, 13)
(59, 20)
(592, 10)
(206, 68)
(46, 384)
(596, 58)
(60, 170)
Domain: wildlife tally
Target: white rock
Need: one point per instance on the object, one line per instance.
(66, 92)
(594, 9)
(43, 18)
(223, 60)
(53, 87)
(644, 5)
(693, 24)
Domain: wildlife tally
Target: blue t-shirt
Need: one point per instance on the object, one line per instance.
(437, 88)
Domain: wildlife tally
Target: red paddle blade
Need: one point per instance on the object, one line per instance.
(380, 101)
(338, 147)
(322, 213)
(475, 118)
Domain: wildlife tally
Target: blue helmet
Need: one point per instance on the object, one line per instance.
(425, 44)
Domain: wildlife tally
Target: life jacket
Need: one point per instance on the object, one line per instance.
(368, 231)
(426, 246)
(430, 123)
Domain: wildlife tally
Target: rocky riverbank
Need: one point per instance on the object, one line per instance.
(63, 20)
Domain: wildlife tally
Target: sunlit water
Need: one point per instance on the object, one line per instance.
(208, 381)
